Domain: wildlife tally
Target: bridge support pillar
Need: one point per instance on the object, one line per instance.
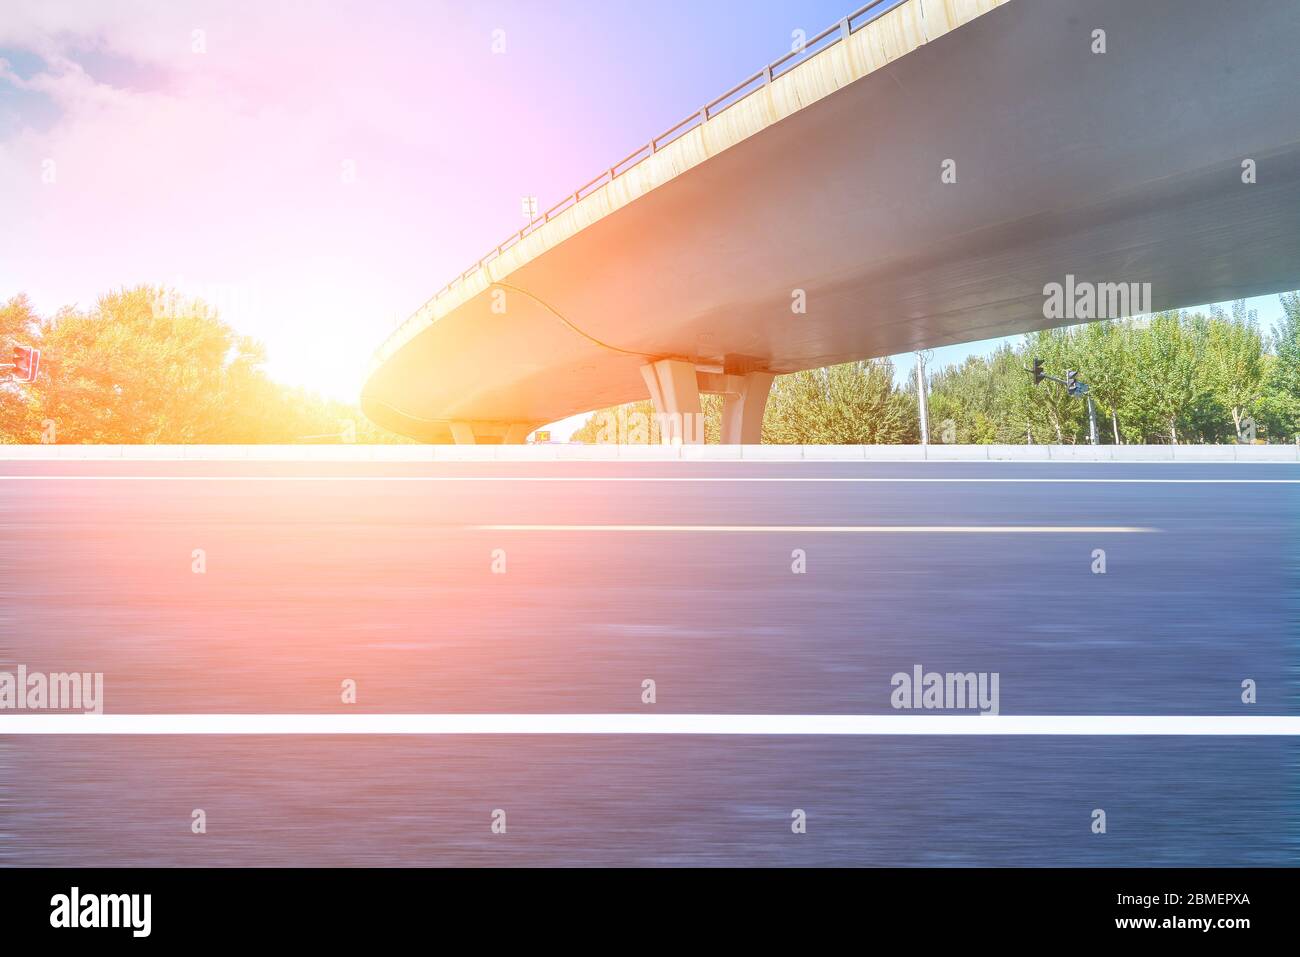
(675, 394)
(462, 433)
(516, 433)
(675, 388)
(742, 411)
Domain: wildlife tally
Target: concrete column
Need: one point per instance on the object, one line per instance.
(462, 433)
(675, 392)
(516, 434)
(742, 412)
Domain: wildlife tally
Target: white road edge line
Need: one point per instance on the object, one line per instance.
(836, 529)
(589, 724)
(626, 478)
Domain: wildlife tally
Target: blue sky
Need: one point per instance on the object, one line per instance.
(217, 170)
(214, 167)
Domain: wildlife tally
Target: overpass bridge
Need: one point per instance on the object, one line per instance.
(917, 177)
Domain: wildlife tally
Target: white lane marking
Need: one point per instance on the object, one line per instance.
(627, 478)
(839, 529)
(715, 724)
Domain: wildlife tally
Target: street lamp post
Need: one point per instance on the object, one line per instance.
(922, 409)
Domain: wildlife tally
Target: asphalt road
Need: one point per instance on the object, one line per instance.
(563, 587)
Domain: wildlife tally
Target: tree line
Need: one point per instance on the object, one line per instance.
(1171, 377)
(145, 366)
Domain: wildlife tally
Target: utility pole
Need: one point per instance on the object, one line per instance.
(1073, 387)
(1076, 388)
(922, 410)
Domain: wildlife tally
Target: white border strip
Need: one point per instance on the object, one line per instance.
(788, 479)
(657, 453)
(833, 529)
(712, 724)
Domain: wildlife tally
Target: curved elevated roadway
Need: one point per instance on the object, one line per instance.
(821, 180)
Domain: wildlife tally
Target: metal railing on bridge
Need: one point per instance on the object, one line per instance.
(812, 46)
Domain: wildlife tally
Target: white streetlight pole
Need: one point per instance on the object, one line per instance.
(922, 409)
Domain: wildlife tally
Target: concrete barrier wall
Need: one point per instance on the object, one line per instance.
(658, 453)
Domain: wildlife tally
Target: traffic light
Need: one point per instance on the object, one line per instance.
(1038, 371)
(1071, 381)
(26, 363)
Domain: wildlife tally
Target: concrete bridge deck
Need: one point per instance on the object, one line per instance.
(826, 186)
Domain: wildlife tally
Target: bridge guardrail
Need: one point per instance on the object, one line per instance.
(832, 35)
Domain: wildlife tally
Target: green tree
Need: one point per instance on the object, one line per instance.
(1105, 364)
(137, 369)
(635, 423)
(852, 403)
(1233, 365)
(142, 366)
(844, 404)
(1279, 405)
(1167, 388)
(1063, 415)
(19, 325)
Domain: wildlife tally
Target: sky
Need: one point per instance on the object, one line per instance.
(317, 170)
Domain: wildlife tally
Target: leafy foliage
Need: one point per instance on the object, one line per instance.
(1170, 377)
(143, 367)
(854, 403)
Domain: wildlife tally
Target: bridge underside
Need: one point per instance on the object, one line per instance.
(1117, 167)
